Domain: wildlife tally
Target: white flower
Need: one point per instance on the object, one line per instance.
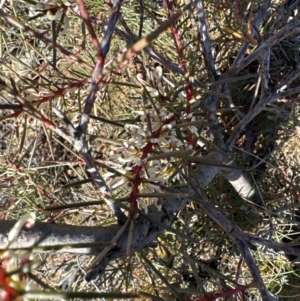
(157, 73)
(156, 179)
(155, 125)
(194, 130)
(138, 113)
(107, 175)
(157, 203)
(154, 188)
(182, 96)
(55, 16)
(168, 116)
(138, 142)
(151, 90)
(166, 127)
(117, 182)
(176, 141)
(154, 140)
(144, 205)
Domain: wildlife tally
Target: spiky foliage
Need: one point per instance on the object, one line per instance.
(94, 118)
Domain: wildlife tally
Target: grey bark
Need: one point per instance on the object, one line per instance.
(46, 234)
(146, 230)
(242, 184)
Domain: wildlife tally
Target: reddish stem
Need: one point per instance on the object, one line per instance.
(146, 150)
(85, 16)
(61, 91)
(189, 88)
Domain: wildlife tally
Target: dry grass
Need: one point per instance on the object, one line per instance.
(40, 172)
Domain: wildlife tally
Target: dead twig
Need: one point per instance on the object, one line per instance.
(14, 22)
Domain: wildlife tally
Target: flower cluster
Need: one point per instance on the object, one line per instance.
(54, 12)
(156, 132)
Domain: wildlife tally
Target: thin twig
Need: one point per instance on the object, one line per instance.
(269, 98)
(261, 14)
(142, 9)
(205, 41)
(264, 72)
(40, 36)
(292, 28)
(98, 70)
(92, 269)
(284, 83)
(244, 244)
(85, 16)
(144, 42)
